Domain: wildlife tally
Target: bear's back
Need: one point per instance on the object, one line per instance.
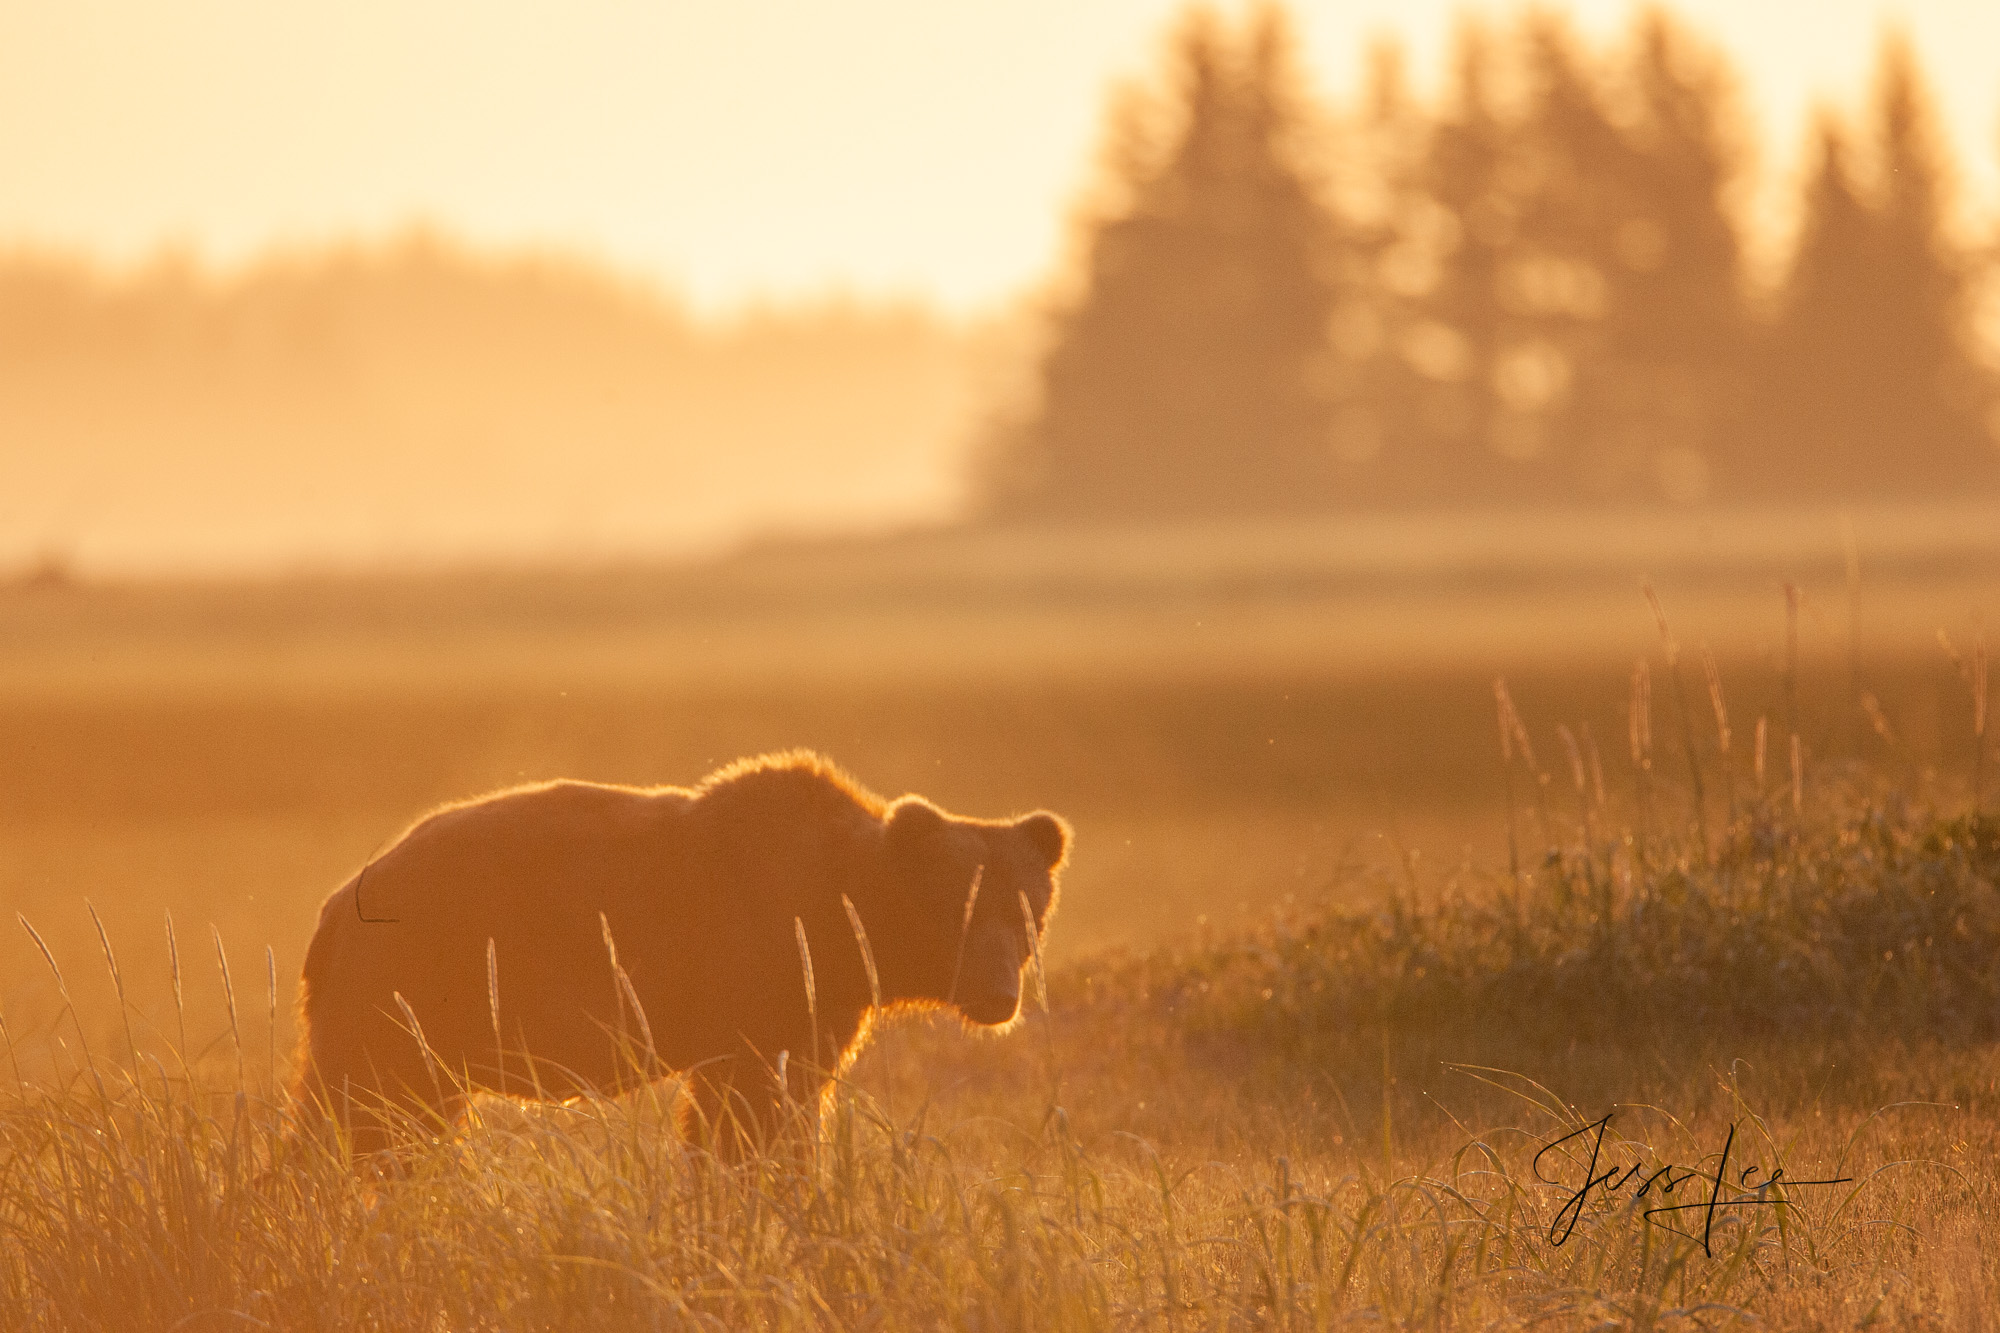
(780, 796)
(516, 852)
(738, 844)
(563, 812)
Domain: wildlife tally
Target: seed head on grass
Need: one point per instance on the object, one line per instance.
(964, 930)
(1579, 778)
(69, 1006)
(1798, 778)
(229, 999)
(1878, 721)
(627, 996)
(1639, 716)
(1034, 935)
(867, 953)
(1670, 646)
(117, 981)
(271, 1011)
(1973, 672)
(812, 991)
(493, 1003)
(1513, 736)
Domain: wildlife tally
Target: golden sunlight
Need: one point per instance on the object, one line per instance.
(911, 665)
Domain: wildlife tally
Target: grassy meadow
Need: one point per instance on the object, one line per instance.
(1330, 970)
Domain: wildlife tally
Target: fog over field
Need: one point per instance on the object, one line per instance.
(413, 405)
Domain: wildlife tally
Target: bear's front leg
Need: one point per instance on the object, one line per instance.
(747, 1105)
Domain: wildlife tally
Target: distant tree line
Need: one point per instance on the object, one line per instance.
(1533, 293)
(413, 399)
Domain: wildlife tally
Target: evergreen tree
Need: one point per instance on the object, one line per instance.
(1556, 400)
(1677, 328)
(1923, 322)
(1867, 385)
(1472, 173)
(1817, 367)
(1189, 376)
(1594, 282)
(1383, 345)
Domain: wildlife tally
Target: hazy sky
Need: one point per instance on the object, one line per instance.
(732, 149)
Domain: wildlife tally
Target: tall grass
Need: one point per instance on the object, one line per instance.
(1877, 927)
(166, 1208)
(152, 1194)
(1358, 1113)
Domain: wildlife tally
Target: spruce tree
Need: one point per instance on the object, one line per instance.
(1817, 370)
(1385, 347)
(1867, 387)
(1677, 327)
(1923, 327)
(1594, 278)
(1552, 376)
(1468, 174)
(1188, 377)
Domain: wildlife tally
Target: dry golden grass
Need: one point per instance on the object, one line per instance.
(1333, 1119)
(1307, 1091)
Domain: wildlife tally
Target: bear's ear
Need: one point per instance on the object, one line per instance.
(1048, 834)
(912, 822)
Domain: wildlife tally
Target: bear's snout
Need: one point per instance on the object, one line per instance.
(993, 1009)
(989, 989)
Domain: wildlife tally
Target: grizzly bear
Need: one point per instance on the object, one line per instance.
(570, 937)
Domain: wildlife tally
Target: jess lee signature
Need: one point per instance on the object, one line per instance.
(1748, 1191)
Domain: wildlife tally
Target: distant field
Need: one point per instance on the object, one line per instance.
(1231, 600)
(1230, 716)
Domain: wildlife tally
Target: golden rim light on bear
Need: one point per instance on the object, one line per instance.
(567, 938)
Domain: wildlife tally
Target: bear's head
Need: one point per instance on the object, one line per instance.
(954, 944)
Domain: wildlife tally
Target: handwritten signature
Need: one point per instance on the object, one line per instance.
(1667, 1178)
